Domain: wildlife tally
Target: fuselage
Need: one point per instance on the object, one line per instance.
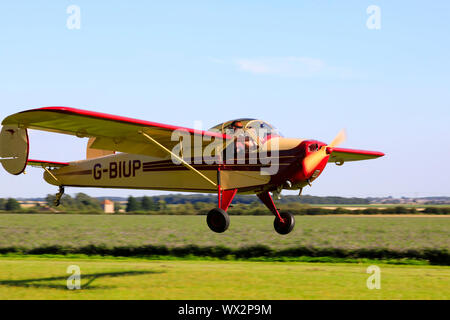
(280, 162)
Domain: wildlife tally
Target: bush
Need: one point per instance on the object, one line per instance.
(434, 256)
(12, 205)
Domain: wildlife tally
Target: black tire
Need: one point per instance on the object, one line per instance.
(287, 226)
(218, 220)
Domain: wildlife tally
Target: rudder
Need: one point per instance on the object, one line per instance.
(14, 149)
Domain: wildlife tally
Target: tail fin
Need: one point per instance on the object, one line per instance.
(14, 148)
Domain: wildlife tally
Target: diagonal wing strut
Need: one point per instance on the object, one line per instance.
(182, 161)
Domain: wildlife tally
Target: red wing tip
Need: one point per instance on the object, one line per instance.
(365, 152)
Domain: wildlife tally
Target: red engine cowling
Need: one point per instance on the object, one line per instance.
(302, 176)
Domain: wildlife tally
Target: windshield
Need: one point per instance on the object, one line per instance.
(254, 130)
(261, 131)
(255, 127)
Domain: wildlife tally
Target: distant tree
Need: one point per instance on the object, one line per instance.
(117, 206)
(147, 204)
(200, 205)
(70, 203)
(132, 204)
(84, 202)
(50, 199)
(188, 208)
(2, 204)
(161, 206)
(401, 210)
(12, 205)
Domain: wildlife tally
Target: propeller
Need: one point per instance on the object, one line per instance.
(311, 161)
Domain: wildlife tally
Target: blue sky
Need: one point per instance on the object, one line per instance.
(308, 67)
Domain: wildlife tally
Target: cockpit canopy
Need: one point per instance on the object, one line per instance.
(252, 127)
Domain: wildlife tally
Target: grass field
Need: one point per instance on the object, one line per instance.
(44, 277)
(398, 233)
(110, 278)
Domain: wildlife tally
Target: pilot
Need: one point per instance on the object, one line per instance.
(237, 127)
(241, 140)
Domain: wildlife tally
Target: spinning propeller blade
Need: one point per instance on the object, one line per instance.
(340, 138)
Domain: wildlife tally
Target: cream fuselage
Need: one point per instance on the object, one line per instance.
(131, 171)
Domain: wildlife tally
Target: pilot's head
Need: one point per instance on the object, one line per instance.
(236, 124)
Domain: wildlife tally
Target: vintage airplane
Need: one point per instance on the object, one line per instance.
(135, 154)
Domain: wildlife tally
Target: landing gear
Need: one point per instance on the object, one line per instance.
(285, 226)
(285, 221)
(218, 220)
(59, 196)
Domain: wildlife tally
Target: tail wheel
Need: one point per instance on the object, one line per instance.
(218, 220)
(287, 225)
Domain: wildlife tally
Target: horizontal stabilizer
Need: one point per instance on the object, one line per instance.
(41, 163)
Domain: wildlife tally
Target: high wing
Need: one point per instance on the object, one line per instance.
(110, 132)
(344, 155)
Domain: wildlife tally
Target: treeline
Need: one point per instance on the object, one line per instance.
(145, 204)
(248, 199)
(307, 199)
(80, 202)
(9, 204)
(258, 209)
(202, 204)
(171, 206)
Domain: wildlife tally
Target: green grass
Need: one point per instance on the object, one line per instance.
(361, 232)
(194, 277)
(323, 259)
(107, 278)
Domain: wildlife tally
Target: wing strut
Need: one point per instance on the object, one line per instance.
(183, 162)
(50, 173)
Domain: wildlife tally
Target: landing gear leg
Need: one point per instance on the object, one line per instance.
(284, 222)
(59, 196)
(218, 219)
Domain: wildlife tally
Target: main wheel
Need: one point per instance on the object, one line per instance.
(287, 225)
(218, 220)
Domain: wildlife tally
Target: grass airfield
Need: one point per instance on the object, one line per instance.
(348, 232)
(45, 277)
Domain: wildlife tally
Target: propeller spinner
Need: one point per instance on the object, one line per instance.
(311, 161)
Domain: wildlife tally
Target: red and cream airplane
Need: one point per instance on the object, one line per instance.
(245, 156)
